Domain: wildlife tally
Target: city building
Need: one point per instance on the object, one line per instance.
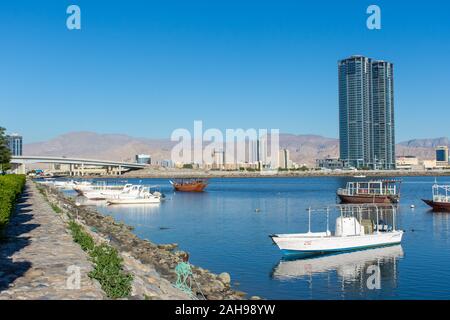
(143, 158)
(331, 164)
(408, 163)
(429, 164)
(284, 161)
(218, 159)
(258, 152)
(366, 113)
(14, 142)
(442, 156)
(167, 163)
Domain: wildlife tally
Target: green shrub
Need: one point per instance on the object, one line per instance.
(55, 208)
(108, 270)
(11, 186)
(81, 237)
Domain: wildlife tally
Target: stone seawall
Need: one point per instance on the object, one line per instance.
(37, 255)
(152, 265)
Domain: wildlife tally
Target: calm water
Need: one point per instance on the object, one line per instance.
(223, 231)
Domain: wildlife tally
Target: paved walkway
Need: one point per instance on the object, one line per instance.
(38, 258)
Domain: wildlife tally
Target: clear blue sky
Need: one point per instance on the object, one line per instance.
(145, 68)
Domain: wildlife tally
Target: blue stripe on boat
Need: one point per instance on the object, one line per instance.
(300, 252)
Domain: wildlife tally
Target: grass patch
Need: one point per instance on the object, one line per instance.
(108, 265)
(56, 208)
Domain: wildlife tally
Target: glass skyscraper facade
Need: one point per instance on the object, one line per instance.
(366, 113)
(15, 144)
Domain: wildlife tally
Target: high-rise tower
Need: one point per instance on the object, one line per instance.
(366, 113)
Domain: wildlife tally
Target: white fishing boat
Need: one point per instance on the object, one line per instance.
(65, 185)
(82, 188)
(47, 181)
(107, 192)
(142, 196)
(357, 227)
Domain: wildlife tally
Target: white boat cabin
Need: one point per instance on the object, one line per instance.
(379, 187)
(441, 193)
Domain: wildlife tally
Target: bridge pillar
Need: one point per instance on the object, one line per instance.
(82, 169)
(22, 169)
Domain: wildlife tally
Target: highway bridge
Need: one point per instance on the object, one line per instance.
(76, 166)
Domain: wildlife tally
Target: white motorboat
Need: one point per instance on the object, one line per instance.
(65, 185)
(137, 195)
(47, 181)
(107, 192)
(358, 227)
(82, 188)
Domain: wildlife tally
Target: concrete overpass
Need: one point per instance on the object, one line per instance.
(76, 165)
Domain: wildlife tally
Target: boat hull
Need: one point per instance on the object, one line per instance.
(438, 206)
(360, 199)
(191, 187)
(307, 244)
(134, 201)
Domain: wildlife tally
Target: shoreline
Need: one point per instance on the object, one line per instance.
(152, 264)
(158, 174)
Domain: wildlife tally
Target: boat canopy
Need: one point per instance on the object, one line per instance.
(378, 187)
(441, 193)
(371, 217)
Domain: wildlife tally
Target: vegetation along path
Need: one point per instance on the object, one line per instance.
(39, 259)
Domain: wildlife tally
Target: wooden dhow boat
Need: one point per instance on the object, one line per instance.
(189, 184)
(441, 198)
(374, 191)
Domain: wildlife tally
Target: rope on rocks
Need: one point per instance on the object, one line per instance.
(185, 277)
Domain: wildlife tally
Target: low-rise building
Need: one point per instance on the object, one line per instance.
(429, 164)
(407, 163)
(143, 159)
(331, 164)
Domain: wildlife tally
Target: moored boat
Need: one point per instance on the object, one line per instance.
(142, 196)
(358, 227)
(106, 192)
(379, 191)
(189, 185)
(84, 188)
(441, 198)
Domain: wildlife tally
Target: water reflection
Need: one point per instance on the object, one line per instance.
(352, 269)
(225, 230)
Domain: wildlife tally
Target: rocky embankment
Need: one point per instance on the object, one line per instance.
(152, 265)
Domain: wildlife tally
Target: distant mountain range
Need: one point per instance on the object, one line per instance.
(304, 149)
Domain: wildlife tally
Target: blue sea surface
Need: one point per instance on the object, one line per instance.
(227, 228)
